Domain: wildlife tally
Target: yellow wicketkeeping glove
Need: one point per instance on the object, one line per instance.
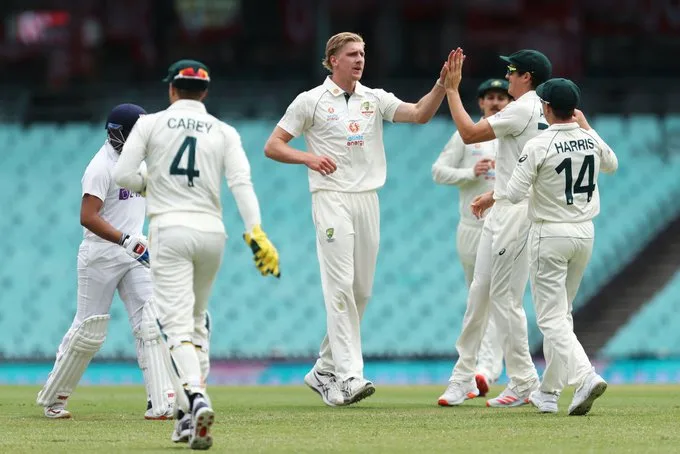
(265, 255)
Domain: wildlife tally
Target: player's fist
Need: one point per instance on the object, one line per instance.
(322, 164)
(481, 203)
(265, 255)
(482, 166)
(137, 247)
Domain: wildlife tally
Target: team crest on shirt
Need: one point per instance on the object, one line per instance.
(329, 234)
(367, 109)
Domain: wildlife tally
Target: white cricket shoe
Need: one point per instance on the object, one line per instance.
(57, 411)
(592, 387)
(355, 389)
(509, 398)
(325, 385)
(182, 430)
(545, 402)
(151, 415)
(457, 393)
(202, 419)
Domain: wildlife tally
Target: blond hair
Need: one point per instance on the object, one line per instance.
(335, 43)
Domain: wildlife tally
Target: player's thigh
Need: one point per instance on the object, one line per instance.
(172, 272)
(548, 278)
(467, 242)
(98, 274)
(366, 240)
(207, 261)
(510, 229)
(135, 289)
(335, 238)
(582, 250)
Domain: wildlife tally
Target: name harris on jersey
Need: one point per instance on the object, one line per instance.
(189, 124)
(574, 145)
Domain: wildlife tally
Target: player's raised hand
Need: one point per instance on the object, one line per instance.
(481, 203)
(581, 119)
(455, 69)
(442, 74)
(137, 247)
(322, 164)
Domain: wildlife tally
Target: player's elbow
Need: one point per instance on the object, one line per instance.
(86, 220)
(467, 137)
(436, 174)
(270, 148)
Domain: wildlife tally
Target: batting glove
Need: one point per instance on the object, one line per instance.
(137, 247)
(265, 255)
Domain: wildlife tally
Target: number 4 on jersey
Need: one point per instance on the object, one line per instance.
(589, 166)
(191, 172)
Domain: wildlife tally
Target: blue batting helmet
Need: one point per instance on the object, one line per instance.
(120, 122)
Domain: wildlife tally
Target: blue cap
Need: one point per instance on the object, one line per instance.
(120, 121)
(492, 84)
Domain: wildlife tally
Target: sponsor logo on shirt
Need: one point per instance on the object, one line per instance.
(354, 139)
(125, 194)
(367, 109)
(332, 116)
(353, 127)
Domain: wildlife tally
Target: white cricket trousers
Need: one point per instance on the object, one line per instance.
(490, 356)
(184, 262)
(103, 268)
(558, 256)
(347, 238)
(500, 278)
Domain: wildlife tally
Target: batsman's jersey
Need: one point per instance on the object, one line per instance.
(349, 131)
(514, 126)
(455, 166)
(187, 151)
(561, 166)
(121, 208)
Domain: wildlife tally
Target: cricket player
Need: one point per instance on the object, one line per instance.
(471, 168)
(501, 267)
(342, 121)
(112, 256)
(187, 152)
(561, 166)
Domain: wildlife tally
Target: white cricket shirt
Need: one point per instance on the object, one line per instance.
(514, 126)
(187, 152)
(123, 209)
(348, 131)
(561, 165)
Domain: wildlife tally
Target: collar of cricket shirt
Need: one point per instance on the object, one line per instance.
(337, 91)
(563, 126)
(188, 104)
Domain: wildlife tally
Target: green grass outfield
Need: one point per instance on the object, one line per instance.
(635, 419)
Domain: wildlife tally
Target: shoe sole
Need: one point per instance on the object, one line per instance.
(368, 391)
(200, 438)
(65, 415)
(584, 407)
(482, 385)
(313, 388)
(542, 410)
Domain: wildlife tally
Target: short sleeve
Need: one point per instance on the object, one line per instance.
(298, 117)
(510, 121)
(96, 181)
(387, 104)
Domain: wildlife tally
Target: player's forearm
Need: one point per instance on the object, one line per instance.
(101, 228)
(280, 151)
(452, 176)
(248, 205)
(460, 117)
(131, 180)
(428, 105)
(517, 190)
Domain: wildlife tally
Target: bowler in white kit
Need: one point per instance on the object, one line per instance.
(113, 256)
(342, 122)
(188, 152)
(561, 166)
(472, 169)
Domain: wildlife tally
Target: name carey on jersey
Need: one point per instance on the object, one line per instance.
(189, 124)
(574, 145)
